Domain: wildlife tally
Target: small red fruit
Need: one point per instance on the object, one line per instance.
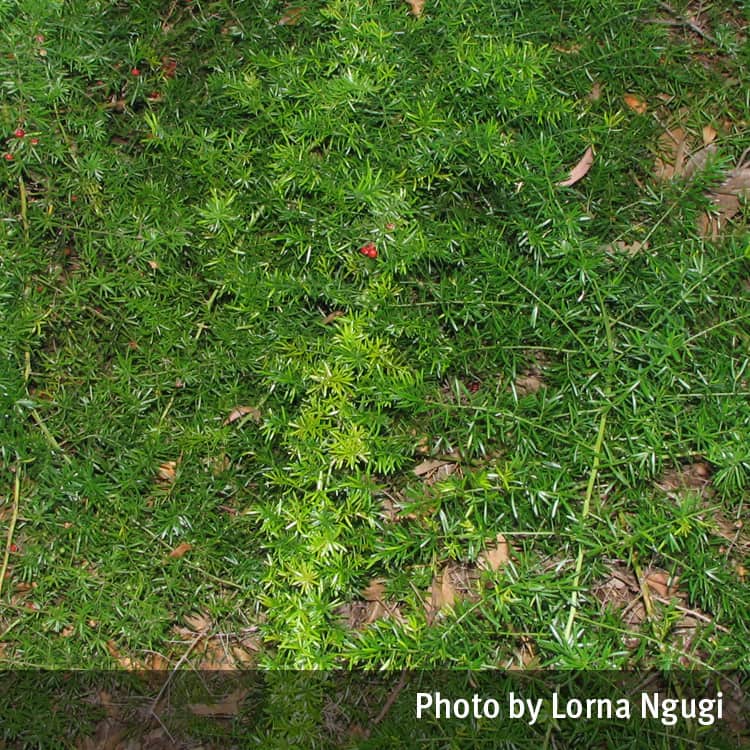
(8, 157)
(34, 141)
(13, 547)
(19, 132)
(135, 72)
(369, 250)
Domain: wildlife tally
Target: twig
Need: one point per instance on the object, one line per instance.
(392, 697)
(193, 566)
(691, 612)
(11, 526)
(50, 437)
(584, 513)
(680, 20)
(198, 638)
(645, 590)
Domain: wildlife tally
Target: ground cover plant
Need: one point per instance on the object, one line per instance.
(370, 334)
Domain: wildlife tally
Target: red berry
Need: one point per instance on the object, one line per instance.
(74, 198)
(8, 157)
(135, 72)
(34, 141)
(19, 132)
(369, 250)
(373, 253)
(13, 547)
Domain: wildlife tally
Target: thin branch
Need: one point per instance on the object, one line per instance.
(392, 697)
(680, 20)
(11, 526)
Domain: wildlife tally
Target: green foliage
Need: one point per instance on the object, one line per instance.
(176, 246)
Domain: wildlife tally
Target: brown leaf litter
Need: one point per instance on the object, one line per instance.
(531, 379)
(496, 555)
(212, 651)
(636, 600)
(727, 198)
(455, 581)
(291, 15)
(242, 411)
(227, 706)
(434, 470)
(416, 7)
(679, 155)
(695, 477)
(458, 581)
(635, 103)
(374, 605)
(580, 170)
(167, 472)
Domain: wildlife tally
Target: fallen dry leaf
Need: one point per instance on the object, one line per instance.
(375, 590)
(332, 316)
(456, 581)
(156, 662)
(580, 170)
(635, 103)
(494, 557)
(416, 7)
(108, 736)
(695, 476)
(228, 706)
(243, 657)
(672, 148)
(727, 199)
(661, 583)
(709, 134)
(568, 49)
(698, 160)
(632, 248)
(180, 550)
(216, 656)
(528, 383)
(434, 470)
(442, 592)
(198, 622)
(167, 471)
(153, 265)
(241, 411)
(373, 606)
(124, 661)
(168, 67)
(596, 92)
(291, 16)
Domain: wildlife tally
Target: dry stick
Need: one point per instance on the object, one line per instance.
(645, 591)
(594, 469)
(198, 638)
(691, 612)
(50, 437)
(392, 697)
(682, 21)
(11, 526)
(192, 566)
(584, 514)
